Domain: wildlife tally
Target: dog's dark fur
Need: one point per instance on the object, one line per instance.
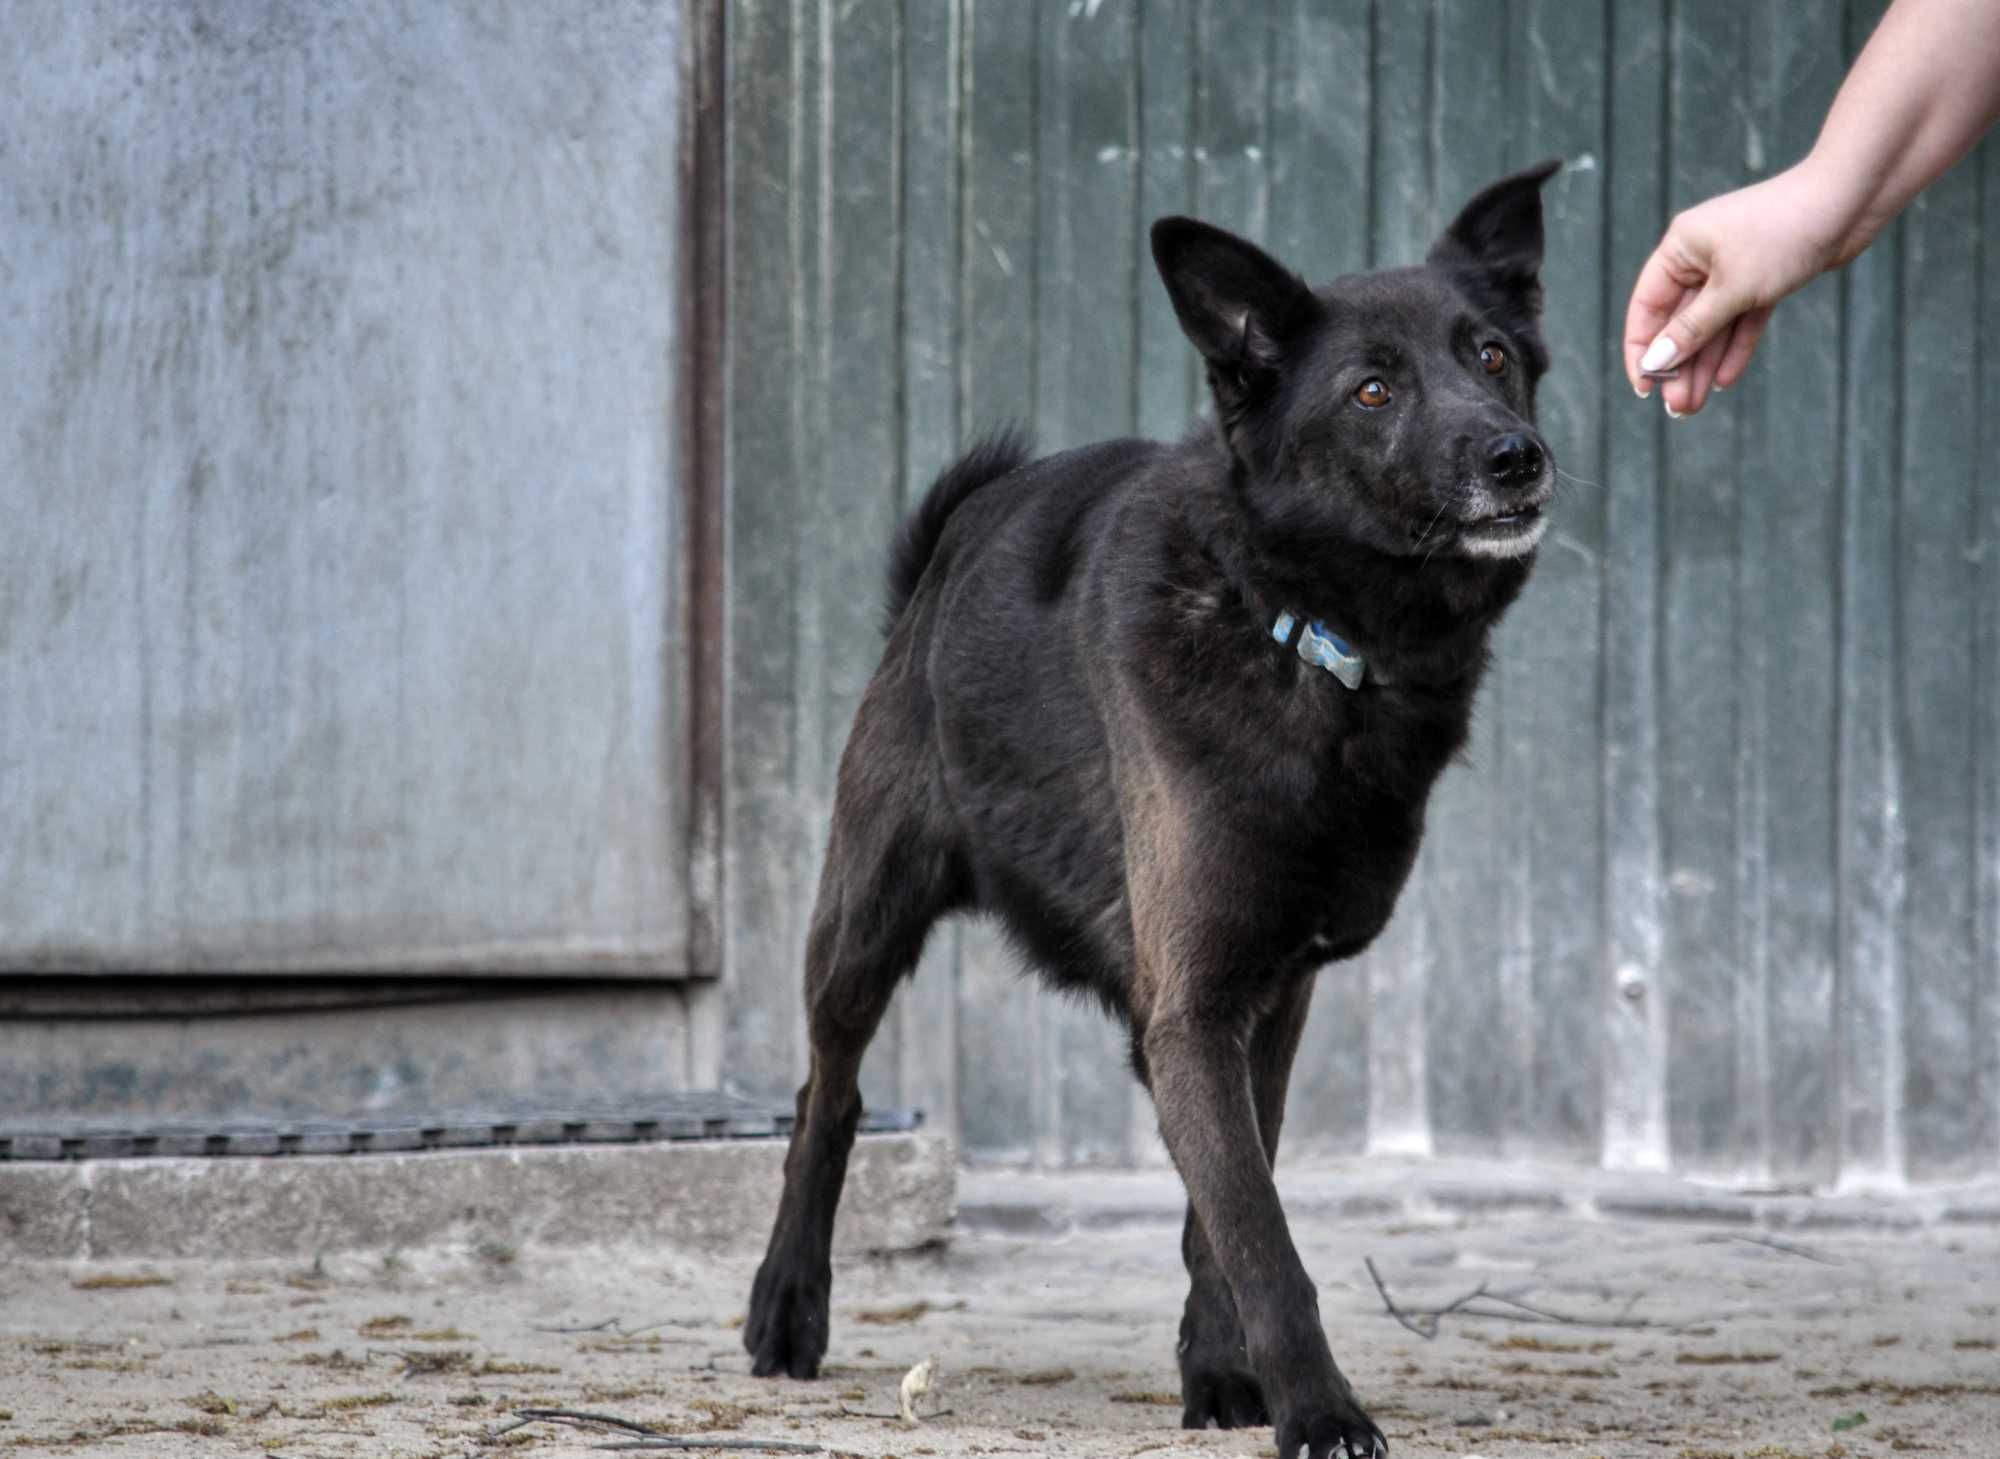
(1083, 725)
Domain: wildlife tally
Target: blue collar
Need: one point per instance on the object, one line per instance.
(1321, 646)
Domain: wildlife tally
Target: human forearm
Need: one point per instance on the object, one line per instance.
(1920, 95)
(1922, 92)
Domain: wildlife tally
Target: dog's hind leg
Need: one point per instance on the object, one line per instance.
(1217, 1385)
(889, 875)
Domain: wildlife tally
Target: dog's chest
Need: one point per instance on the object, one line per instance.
(1340, 891)
(1331, 761)
(1333, 816)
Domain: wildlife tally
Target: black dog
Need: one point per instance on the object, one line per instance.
(1172, 713)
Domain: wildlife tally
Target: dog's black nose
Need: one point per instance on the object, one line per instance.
(1514, 459)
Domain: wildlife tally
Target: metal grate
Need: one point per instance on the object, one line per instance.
(702, 1115)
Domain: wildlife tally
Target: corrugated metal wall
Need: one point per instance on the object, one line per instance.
(1720, 885)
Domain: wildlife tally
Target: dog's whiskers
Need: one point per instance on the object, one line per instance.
(1463, 489)
(1425, 537)
(1433, 552)
(1579, 480)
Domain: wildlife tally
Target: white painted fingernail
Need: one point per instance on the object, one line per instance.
(1642, 390)
(1672, 414)
(1660, 354)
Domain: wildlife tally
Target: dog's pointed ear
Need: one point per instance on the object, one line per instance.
(1239, 306)
(1493, 250)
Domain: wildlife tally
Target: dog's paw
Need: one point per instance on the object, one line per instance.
(1341, 1432)
(787, 1326)
(1217, 1384)
(1227, 1397)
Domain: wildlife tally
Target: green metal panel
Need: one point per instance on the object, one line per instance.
(1701, 615)
(1788, 551)
(763, 925)
(1634, 959)
(1165, 376)
(1869, 775)
(1983, 1101)
(1718, 886)
(1937, 587)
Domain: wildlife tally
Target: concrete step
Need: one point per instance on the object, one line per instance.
(706, 1196)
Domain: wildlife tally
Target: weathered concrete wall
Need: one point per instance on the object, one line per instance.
(447, 1053)
(339, 559)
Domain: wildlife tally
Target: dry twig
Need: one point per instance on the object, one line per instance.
(1789, 1248)
(682, 1441)
(887, 1418)
(647, 1437)
(615, 1326)
(608, 1324)
(1424, 1322)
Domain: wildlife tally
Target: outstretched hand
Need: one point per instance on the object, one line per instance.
(1923, 90)
(1702, 300)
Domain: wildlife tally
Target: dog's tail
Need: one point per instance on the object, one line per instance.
(989, 458)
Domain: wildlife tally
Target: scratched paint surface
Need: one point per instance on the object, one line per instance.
(339, 534)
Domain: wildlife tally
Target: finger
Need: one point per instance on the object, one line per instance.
(1656, 296)
(1677, 385)
(1742, 345)
(1671, 276)
(1700, 375)
(1708, 314)
(1688, 390)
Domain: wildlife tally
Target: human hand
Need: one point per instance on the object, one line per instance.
(1702, 300)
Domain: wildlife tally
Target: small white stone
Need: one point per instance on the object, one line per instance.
(916, 1383)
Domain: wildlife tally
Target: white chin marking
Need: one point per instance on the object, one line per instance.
(1489, 542)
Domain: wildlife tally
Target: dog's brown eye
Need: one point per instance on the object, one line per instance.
(1373, 394)
(1493, 359)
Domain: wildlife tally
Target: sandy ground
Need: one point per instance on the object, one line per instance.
(1842, 1344)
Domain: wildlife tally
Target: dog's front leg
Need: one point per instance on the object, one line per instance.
(1199, 1069)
